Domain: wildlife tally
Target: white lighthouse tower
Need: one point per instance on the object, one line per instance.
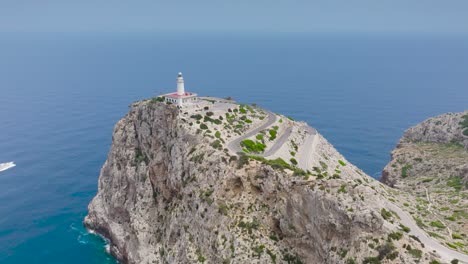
(180, 84)
(180, 97)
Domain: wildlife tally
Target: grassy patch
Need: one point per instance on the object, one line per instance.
(280, 164)
(437, 224)
(395, 236)
(455, 182)
(385, 214)
(405, 228)
(342, 189)
(405, 169)
(272, 133)
(432, 234)
(249, 226)
(253, 146)
(293, 161)
(140, 156)
(416, 253)
(217, 144)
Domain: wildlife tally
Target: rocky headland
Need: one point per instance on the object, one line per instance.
(430, 168)
(174, 189)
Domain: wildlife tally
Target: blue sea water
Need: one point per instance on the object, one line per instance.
(61, 94)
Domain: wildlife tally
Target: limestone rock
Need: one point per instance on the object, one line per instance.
(166, 195)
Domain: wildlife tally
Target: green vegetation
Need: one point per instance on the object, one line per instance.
(249, 226)
(272, 134)
(386, 251)
(395, 236)
(197, 117)
(140, 156)
(452, 245)
(253, 146)
(258, 250)
(371, 260)
(464, 124)
(342, 163)
(405, 169)
(293, 161)
(217, 134)
(211, 120)
(157, 99)
(385, 214)
(272, 255)
(416, 253)
(243, 159)
(405, 228)
(342, 189)
(432, 234)
(217, 144)
(455, 182)
(274, 237)
(206, 196)
(292, 259)
(242, 109)
(259, 137)
(201, 258)
(223, 208)
(437, 224)
(456, 236)
(203, 126)
(281, 164)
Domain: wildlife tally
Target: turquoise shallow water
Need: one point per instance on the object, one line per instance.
(61, 94)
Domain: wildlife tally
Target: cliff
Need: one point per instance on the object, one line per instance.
(430, 166)
(171, 191)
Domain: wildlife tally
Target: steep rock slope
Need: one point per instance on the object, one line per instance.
(168, 195)
(430, 165)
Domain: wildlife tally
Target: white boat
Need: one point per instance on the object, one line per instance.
(7, 165)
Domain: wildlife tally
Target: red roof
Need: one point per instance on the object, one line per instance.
(179, 96)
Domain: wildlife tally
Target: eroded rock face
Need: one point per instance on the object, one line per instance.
(430, 164)
(167, 196)
(429, 147)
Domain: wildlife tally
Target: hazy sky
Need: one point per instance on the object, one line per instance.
(235, 15)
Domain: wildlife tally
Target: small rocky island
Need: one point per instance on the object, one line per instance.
(214, 181)
(430, 167)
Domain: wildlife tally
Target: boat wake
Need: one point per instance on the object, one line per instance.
(7, 165)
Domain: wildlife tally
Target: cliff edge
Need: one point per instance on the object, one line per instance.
(173, 191)
(430, 167)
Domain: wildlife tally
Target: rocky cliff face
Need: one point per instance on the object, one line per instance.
(167, 195)
(430, 164)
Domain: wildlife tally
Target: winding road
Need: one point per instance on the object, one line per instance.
(235, 144)
(445, 253)
(304, 156)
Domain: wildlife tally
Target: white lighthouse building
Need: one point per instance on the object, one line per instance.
(181, 97)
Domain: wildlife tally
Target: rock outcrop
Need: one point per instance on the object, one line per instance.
(430, 165)
(168, 195)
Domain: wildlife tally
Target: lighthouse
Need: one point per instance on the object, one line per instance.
(180, 97)
(180, 84)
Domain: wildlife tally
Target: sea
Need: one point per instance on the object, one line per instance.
(62, 93)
